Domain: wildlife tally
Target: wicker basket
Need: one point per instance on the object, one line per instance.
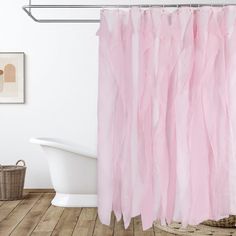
(228, 222)
(12, 178)
(198, 230)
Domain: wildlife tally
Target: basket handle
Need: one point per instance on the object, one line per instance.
(2, 182)
(22, 161)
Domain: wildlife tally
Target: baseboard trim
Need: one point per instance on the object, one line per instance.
(39, 190)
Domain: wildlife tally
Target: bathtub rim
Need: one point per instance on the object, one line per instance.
(55, 143)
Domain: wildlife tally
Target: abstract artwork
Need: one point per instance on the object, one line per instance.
(11, 77)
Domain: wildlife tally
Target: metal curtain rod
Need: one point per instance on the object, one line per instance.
(28, 8)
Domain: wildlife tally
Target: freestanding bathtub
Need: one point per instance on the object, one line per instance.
(73, 173)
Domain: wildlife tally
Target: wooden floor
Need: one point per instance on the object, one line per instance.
(34, 215)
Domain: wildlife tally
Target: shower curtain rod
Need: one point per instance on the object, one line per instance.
(28, 10)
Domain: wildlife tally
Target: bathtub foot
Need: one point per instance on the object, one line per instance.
(75, 200)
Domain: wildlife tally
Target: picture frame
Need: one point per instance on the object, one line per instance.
(12, 77)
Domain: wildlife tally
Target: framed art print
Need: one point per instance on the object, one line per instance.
(12, 77)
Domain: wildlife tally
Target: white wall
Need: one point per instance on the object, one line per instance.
(61, 86)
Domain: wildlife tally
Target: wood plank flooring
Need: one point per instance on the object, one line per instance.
(34, 215)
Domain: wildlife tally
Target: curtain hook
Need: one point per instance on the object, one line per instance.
(140, 7)
(211, 6)
(163, 8)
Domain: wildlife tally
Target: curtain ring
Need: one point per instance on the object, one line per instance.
(140, 7)
(212, 5)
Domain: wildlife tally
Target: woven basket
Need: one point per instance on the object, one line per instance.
(198, 230)
(228, 222)
(12, 178)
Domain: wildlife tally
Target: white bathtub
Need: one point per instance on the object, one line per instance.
(73, 173)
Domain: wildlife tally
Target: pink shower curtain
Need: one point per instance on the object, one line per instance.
(167, 114)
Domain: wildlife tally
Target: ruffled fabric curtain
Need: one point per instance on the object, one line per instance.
(167, 114)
